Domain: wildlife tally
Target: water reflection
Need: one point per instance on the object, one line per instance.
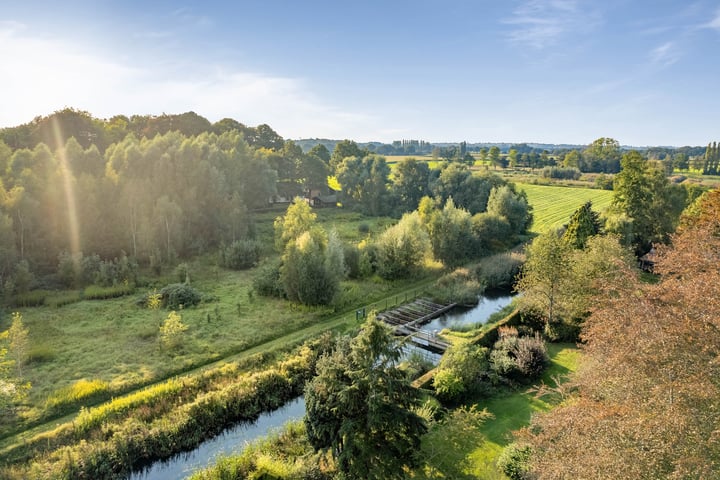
(489, 304)
(231, 441)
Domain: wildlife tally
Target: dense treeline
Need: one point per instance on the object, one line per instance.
(153, 199)
(56, 129)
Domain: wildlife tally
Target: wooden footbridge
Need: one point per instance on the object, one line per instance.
(406, 319)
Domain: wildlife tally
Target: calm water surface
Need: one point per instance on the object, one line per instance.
(231, 441)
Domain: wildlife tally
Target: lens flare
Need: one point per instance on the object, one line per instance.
(67, 178)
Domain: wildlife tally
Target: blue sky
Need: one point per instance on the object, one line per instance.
(555, 71)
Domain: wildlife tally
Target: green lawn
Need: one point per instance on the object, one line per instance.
(553, 206)
(512, 411)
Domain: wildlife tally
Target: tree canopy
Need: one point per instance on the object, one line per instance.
(359, 407)
(645, 404)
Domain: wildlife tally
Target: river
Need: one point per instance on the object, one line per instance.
(235, 438)
(489, 304)
(231, 441)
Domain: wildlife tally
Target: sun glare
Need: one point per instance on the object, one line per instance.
(67, 178)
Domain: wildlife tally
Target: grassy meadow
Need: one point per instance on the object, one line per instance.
(553, 205)
(87, 351)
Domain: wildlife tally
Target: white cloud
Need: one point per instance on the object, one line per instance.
(715, 22)
(542, 23)
(41, 75)
(665, 55)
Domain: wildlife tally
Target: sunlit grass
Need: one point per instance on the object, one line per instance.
(553, 206)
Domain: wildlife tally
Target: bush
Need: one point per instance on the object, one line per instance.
(34, 298)
(182, 273)
(514, 461)
(267, 280)
(40, 353)
(351, 255)
(604, 182)
(364, 228)
(171, 331)
(522, 358)
(60, 299)
(179, 295)
(241, 254)
(457, 287)
(95, 292)
(570, 173)
(499, 271)
(531, 356)
(463, 370)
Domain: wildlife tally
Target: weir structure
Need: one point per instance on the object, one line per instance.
(405, 321)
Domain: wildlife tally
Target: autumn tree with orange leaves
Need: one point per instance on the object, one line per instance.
(645, 403)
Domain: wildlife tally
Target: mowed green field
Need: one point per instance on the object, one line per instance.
(553, 206)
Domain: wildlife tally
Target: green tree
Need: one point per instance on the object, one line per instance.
(513, 158)
(402, 248)
(298, 219)
(603, 155)
(13, 349)
(572, 159)
(642, 194)
(583, 224)
(343, 150)
(18, 343)
(312, 268)
(504, 202)
(494, 157)
(451, 234)
(411, 182)
(172, 331)
(468, 191)
(321, 152)
(544, 282)
(365, 184)
(359, 407)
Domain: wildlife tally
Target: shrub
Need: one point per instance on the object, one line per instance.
(267, 280)
(518, 357)
(171, 331)
(179, 295)
(40, 353)
(60, 299)
(364, 228)
(34, 298)
(514, 461)
(570, 173)
(531, 356)
(457, 287)
(95, 292)
(182, 273)
(463, 370)
(69, 268)
(499, 271)
(351, 255)
(241, 254)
